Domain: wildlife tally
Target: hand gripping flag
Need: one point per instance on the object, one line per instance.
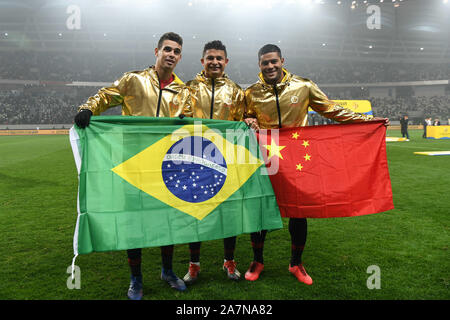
(147, 182)
(329, 171)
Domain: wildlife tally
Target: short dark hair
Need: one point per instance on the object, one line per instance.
(267, 49)
(170, 36)
(217, 45)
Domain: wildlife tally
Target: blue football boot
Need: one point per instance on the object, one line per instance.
(173, 280)
(135, 291)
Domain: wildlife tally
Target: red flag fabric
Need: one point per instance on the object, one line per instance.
(329, 171)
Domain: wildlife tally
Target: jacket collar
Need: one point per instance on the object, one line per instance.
(202, 77)
(154, 75)
(287, 77)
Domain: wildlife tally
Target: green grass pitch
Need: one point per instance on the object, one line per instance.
(38, 190)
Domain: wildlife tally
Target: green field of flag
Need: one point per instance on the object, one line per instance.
(147, 182)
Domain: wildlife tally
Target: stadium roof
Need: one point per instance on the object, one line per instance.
(408, 29)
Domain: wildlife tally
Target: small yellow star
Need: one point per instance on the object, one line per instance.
(307, 157)
(305, 143)
(274, 150)
(299, 167)
(295, 135)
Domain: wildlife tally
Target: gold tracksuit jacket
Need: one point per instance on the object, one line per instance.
(219, 98)
(139, 94)
(286, 103)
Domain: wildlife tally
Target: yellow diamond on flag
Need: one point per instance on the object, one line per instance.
(193, 180)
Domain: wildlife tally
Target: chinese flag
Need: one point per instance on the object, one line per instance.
(329, 171)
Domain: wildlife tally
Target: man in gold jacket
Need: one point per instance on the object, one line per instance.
(280, 99)
(154, 92)
(215, 96)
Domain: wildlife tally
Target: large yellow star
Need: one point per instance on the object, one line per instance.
(295, 135)
(274, 150)
(307, 157)
(305, 143)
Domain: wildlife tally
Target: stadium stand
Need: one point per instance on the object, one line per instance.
(401, 68)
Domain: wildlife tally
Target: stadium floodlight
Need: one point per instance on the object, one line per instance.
(6, 34)
(339, 2)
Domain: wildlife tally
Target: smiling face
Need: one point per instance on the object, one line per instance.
(214, 62)
(271, 66)
(168, 55)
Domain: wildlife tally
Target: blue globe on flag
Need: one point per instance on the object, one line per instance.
(194, 169)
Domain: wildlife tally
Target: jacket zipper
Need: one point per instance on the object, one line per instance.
(159, 96)
(212, 99)
(159, 102)
(278, 106)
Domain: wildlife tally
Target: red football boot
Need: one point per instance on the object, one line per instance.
(300, 273)
(192, 275)
(254, 271)
(229, 266)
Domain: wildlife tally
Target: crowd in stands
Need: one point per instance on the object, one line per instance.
(371, 72)
(77, 66)
(26, 106)
(47, 107)
(394, 108)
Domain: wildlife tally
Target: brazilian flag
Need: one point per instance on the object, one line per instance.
(146, 182)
